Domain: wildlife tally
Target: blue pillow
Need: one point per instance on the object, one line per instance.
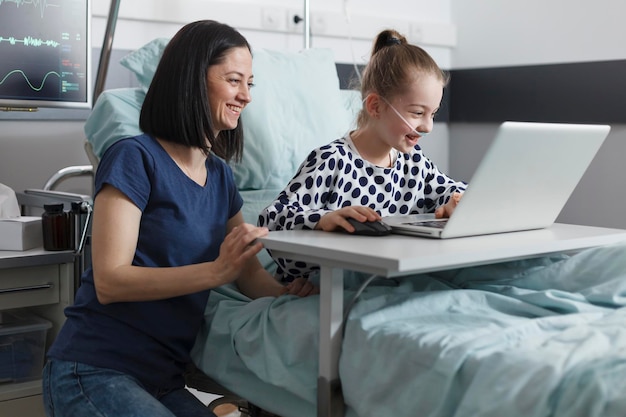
(143, 61)
(296, 106)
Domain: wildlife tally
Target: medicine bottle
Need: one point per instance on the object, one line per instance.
(55, 226)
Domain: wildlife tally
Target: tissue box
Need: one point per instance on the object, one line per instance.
(21, 233)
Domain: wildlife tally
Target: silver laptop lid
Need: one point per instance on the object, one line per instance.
(525, 178)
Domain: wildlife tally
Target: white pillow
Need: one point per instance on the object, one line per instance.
(296, 106)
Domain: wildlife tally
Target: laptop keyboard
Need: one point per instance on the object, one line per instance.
(430, 223)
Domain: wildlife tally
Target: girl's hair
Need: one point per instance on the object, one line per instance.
(176, 107)
(394, 64)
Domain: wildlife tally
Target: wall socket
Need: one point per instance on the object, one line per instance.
(273, 18)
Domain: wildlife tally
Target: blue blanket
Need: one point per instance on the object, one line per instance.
(541, 337)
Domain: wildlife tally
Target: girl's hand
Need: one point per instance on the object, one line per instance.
(337, 219)
(301, 287)
(447, 209)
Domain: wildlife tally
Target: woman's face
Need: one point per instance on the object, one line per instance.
(229, 85)
(416, 108)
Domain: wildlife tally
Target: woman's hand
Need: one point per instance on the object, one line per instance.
(301, 287)
(239, 246)
(337, 219)
(447, 209)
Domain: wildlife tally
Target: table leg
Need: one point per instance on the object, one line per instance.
(329, 397)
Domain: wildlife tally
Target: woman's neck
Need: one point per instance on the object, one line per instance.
(192, 161)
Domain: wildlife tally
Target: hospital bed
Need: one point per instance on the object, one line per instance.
(535, 337)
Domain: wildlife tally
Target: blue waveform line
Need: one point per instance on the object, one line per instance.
(17, 71)
(42, 4)
(30, 41)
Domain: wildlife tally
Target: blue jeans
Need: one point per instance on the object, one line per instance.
(72, 389)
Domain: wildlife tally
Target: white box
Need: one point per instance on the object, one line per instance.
(21, 233)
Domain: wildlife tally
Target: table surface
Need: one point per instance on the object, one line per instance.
(34, 257)
(395, 255)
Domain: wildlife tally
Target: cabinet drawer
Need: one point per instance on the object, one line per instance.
(30, 286)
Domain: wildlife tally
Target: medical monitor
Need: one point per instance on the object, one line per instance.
(45, 54)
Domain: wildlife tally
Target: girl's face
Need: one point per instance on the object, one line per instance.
(417, 105)
(229, 85)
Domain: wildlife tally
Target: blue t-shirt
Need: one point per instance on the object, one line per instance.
(182, 223)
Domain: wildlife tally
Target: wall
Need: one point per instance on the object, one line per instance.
(502, 33)
(34, 147)
(540, 60)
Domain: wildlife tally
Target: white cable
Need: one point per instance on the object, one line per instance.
(346, 13)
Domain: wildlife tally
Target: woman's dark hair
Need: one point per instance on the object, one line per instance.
(176, 107)
(393, 64)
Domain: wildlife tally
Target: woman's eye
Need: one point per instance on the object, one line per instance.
(234, 81)
(250, 85)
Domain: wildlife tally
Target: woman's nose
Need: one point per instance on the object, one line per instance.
(244, 94)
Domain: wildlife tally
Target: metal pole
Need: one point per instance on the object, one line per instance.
(307, 25)
(105, 53)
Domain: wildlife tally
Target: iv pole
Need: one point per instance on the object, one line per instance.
(105, 53)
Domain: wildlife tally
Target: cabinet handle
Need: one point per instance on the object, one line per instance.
(28, 288)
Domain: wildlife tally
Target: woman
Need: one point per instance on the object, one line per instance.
(167, 228)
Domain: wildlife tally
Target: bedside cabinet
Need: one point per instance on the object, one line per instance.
(42, 283)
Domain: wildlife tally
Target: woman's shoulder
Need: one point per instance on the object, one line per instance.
(142, 143)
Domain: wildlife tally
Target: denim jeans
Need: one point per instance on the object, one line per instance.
(72, 389)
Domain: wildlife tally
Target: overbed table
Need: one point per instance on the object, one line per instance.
(395, 256)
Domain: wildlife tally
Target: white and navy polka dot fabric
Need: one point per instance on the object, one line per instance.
(334, 176)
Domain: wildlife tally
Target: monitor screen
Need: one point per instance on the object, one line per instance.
(45, 54)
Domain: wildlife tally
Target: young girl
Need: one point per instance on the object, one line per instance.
(379, 168)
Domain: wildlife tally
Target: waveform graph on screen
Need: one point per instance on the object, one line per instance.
(45, 52)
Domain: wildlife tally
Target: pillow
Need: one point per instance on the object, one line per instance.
(115, 116)
(143, 62)
(296, 106)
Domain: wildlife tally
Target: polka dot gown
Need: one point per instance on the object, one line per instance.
(335, 176)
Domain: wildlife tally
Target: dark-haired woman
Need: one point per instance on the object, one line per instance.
(167, 228)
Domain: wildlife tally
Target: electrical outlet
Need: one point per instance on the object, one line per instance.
(295, 21)
(317, 20)
(272, 18)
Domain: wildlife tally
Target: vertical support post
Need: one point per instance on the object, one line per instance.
(329, 395)
(307, 25)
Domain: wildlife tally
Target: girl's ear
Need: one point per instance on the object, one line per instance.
(373, 105)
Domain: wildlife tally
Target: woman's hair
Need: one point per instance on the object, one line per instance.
(176, 107)
(394, 64)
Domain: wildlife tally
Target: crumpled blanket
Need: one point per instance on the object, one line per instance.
(539, 337)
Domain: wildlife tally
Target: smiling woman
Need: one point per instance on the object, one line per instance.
(163, 237)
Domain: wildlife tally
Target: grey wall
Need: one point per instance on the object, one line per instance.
(598, 199)
(493, 34)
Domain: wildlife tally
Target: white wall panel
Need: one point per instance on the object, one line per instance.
(513, 32)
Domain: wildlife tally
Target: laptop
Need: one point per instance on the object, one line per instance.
(522, 183)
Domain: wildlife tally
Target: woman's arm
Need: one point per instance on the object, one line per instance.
(115, 235)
